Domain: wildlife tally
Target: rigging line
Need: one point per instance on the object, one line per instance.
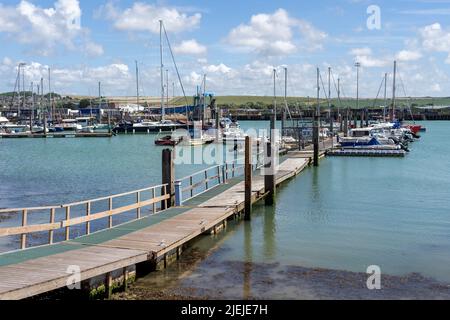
(178, 74)
(323, 88)
(379, 90)
(409, 98)
(337, 90)
(15, 86)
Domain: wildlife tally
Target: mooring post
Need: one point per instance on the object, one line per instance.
(217, 124)
(269, 178)
(109, 123)
(45, 125)
(178, 194)
(248, 177)
(367, 117)
(316, 140)
(168, 176)
(258, 153)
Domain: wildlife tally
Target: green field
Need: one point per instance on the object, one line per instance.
(265, 102)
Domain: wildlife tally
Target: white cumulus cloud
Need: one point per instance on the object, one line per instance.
(143, 16)
(408, 55)
(46, 28)
(274, 34)
(191, 47)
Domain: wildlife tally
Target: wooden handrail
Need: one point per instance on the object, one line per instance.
(78, 220)
(84, 202)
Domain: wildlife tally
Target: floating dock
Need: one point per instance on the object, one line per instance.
(56, 135)
(365, 153)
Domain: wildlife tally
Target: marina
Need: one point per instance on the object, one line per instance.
(195, 152)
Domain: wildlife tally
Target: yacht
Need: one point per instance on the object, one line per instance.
(369, 138)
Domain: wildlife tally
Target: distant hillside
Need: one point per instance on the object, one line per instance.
(28, 93)
(262, 102)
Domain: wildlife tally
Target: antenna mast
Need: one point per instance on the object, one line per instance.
(162, 69)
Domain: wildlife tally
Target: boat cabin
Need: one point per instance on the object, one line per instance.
(361, 132)
(3, 120)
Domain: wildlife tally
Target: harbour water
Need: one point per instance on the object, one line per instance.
(346, 215)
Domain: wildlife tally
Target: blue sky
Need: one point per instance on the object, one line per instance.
(235, 43)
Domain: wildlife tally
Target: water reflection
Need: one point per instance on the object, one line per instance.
(269, 231)
(248, 255)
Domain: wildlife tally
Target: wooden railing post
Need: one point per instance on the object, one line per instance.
(224, 175)
(178, 194)
(248, 177)
(110, 206)
(154, 204)
(138, 201)
(23, 237)
(52, 220)
(67, 237)
(218, 174)
(168, 177)
(88, 213)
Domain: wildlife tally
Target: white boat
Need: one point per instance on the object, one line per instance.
(69, 125)
(233, 134)
(369, 138)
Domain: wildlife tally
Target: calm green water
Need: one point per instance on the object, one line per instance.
(348, 214)
(355, 212)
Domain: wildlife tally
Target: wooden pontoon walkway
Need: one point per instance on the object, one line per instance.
(33, 271)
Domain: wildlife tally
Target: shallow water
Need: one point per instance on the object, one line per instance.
(346, 215)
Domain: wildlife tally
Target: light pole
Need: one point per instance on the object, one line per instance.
(21, 68)
(357, 65)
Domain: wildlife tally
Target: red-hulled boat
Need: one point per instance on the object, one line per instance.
(415, 128)
(167, 141)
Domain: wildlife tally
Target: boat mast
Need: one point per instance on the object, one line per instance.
(329, 100)
(137, 84)
(23, 88)
(167, 88)
(357, 65)
(32, 106)
(385, 96)
(204, 100)
(18, 89)
(392, 113)
(339, 105)
(50, 97)
(274, 98)
(162, 69)
(41, 104)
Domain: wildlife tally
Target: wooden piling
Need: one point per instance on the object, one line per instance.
(168, 177)
(316, 140)
(269, 177)
(248, 177)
